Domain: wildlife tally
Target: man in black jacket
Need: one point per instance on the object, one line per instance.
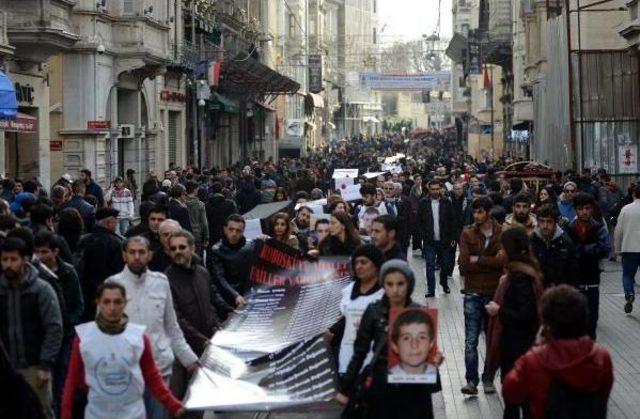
(87, 212)
(437, 224)
(30, 320)
(553, 248)
(100, 256)
(177, 207)
(195, 299)
(218, 208)
(230, 261)
(384, 230)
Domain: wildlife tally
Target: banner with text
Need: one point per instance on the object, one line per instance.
(271, 353)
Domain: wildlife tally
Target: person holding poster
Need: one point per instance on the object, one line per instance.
(367, 393)
(366, 261)
(412, 338)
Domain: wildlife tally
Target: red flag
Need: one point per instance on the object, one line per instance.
(486, 82)
(213, 73)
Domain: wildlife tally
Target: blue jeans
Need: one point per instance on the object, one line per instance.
(443, 252)
(475, 320)
(123, 226)
(155, 409)
(630, 264)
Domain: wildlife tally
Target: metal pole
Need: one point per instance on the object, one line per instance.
(572, 137)
(194, 99)
(493, 148)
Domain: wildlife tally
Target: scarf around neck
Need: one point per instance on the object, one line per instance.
(112, 328)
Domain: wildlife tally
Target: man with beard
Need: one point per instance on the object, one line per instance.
(368, 193)
(29, 308)
(231, 260)
(149, 303)
(303, 225)
(521, 214)
(384, 230)
(195, 299)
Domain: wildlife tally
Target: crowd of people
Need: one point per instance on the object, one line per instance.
(104, 314)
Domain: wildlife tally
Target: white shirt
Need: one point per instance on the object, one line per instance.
(627, 232)
(435, 211)
(149, 303)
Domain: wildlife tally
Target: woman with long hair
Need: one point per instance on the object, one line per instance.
(343, 237)
(384, 400)
(546, 195)
(339, 205)
(280, 195)
(514, 310)
(280, 229)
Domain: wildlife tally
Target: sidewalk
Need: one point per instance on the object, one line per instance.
(618, 332)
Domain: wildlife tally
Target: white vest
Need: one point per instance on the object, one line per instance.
(352, 310)
(112, 371)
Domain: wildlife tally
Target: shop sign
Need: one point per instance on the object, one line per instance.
(315, 73)
(55, 145)
(168, 96)
(24, 93)
(23, 123)
(99, 125)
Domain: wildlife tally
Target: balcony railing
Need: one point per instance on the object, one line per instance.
(4, 40)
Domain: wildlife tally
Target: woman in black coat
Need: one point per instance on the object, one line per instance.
(384, 400)
(515, 306)
(342, 239)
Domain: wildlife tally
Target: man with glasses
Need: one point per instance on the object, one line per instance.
(565, 202)
(197, 302)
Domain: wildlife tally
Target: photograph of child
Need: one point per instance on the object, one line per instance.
(412, 346)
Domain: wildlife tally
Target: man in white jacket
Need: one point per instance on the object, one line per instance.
(627, 242)
(149, 303)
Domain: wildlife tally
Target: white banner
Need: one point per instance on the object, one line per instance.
(439, 81)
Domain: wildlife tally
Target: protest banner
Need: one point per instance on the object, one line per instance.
(351, 193)
(345, 173)
(252, 229)
(291, 303)
(412, 345)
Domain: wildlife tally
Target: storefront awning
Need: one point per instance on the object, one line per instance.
(248, 76)
(8, 101)
(371, 119)
(22, 123)
(315, 100)
(227, 104)
(264, 106)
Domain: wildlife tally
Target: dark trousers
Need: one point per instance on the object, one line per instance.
(441, 251)
(593, 299)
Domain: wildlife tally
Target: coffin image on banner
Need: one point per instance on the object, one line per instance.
(412, 345)
(271, 354)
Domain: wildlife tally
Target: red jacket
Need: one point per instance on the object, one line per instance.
(152, 378)
(579, 363)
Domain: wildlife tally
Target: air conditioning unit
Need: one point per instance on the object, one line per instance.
(127, 131)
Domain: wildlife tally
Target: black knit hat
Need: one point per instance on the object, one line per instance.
(369, 251)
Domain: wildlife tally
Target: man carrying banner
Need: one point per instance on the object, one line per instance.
(230, 261)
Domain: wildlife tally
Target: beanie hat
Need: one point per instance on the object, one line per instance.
(370, 252)
(402, 266)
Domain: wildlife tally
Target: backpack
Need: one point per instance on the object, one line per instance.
(565, 402)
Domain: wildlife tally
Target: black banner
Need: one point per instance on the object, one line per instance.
(271, 353)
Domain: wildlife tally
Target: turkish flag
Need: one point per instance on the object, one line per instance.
(213, 73)
(486, 82)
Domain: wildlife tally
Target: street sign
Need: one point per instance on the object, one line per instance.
(55, 145)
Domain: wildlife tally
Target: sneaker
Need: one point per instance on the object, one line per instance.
(628, 307)
(488, 387)
(469, 389)
(430, 295)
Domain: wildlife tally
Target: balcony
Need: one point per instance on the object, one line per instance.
(39, 29)
(631, 29)
(136, 38)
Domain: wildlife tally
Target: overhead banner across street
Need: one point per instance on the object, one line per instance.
(271, 354)
(436, 81)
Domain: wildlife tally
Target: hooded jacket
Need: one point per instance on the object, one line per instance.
(30, 322)
(557, 257)
(198, 218)
(248, 197)
(595, 247)
(580, 364)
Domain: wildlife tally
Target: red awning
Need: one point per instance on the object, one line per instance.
(23, 123)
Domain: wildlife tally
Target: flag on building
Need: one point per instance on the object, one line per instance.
(213, 73)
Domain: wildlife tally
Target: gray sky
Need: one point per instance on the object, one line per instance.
(409, 19)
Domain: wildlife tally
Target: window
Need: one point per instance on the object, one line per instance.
(554, 8)
(464, 29)
(292, 24)
(375, 36)
(127, 7)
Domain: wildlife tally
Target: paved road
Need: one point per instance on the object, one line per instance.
(618, 332)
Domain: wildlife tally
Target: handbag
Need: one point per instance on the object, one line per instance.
(358, 407)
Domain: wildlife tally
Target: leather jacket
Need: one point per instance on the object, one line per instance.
(230, 265)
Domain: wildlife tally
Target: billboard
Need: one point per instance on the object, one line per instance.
(439, 81)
